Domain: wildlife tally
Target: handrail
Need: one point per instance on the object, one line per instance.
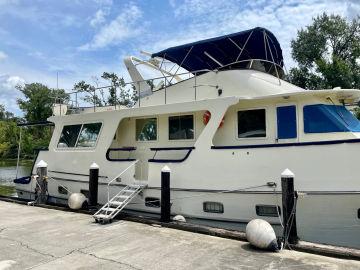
(125, 149)
(116, 177)
(189, 149)
(194, 74)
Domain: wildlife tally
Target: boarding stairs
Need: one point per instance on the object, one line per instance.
(117, 203)
(114, 206)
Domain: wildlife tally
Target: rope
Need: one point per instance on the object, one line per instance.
(290, 220)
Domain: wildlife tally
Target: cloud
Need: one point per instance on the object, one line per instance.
(121, 28)
(98, 19)
(8, 93)
(212, 18)
(3, 56)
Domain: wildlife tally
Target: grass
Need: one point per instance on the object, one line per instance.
(7, 190)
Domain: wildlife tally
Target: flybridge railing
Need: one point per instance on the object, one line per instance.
(92, 96)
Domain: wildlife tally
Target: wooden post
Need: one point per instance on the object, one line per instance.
(165, 194)
(93, 184)
(289, 210)
(41, 171)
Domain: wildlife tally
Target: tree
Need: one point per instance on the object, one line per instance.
(327, 53)
(37, 105)
(118, 93)
(5, 115)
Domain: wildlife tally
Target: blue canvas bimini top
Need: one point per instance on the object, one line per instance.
(213, 53)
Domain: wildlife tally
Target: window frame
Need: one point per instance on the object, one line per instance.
(266, 124)
(181, 140)
(258, 210)
(78, 136)
(213, 212)
(157, 129)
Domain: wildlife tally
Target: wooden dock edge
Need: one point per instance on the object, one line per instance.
(302, 246)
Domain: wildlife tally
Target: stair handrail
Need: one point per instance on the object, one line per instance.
(116, 177)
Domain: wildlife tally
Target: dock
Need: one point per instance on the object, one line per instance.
(41, 238)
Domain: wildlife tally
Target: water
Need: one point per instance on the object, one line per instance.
(8, 174)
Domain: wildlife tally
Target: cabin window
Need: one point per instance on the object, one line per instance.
(213, 207)
(146, 129)
(181, 127)
(286, 122)
(69, 136)
(88, 135)
(152, 202)
(321, 118)
(251, 123)
(268, 210)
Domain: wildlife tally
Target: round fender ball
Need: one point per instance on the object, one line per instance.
(76, 201)
(261, 235)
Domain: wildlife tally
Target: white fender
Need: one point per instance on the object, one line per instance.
(76, 201)
(179, 218)
(261, 235)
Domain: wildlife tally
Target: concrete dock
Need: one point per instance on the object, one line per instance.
(39, 238)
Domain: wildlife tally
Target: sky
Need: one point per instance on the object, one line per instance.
(80, 39)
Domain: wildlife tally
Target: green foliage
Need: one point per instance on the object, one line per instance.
(118, 94)
(327, 53)
(38, 101)
(5, 115)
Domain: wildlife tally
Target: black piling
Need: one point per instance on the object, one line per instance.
(93, 184)
(289, 207)
(165, 194)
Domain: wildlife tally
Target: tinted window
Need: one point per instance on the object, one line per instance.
(251, 123)
(88, 135)
(321, 118)
(146, 129)
(69, 136)
(181, 127)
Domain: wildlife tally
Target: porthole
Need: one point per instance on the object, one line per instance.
(152, 202)
(62, 190)
(213, 207)
(268, 210)
(359, 213)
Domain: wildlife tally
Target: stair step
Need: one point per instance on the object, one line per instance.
(124, 197)
(116, 203)
(109, 209)
(102, 216)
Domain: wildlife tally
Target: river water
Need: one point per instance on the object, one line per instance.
(8, 174)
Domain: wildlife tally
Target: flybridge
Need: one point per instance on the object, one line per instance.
(254, 49)
(216, 53)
